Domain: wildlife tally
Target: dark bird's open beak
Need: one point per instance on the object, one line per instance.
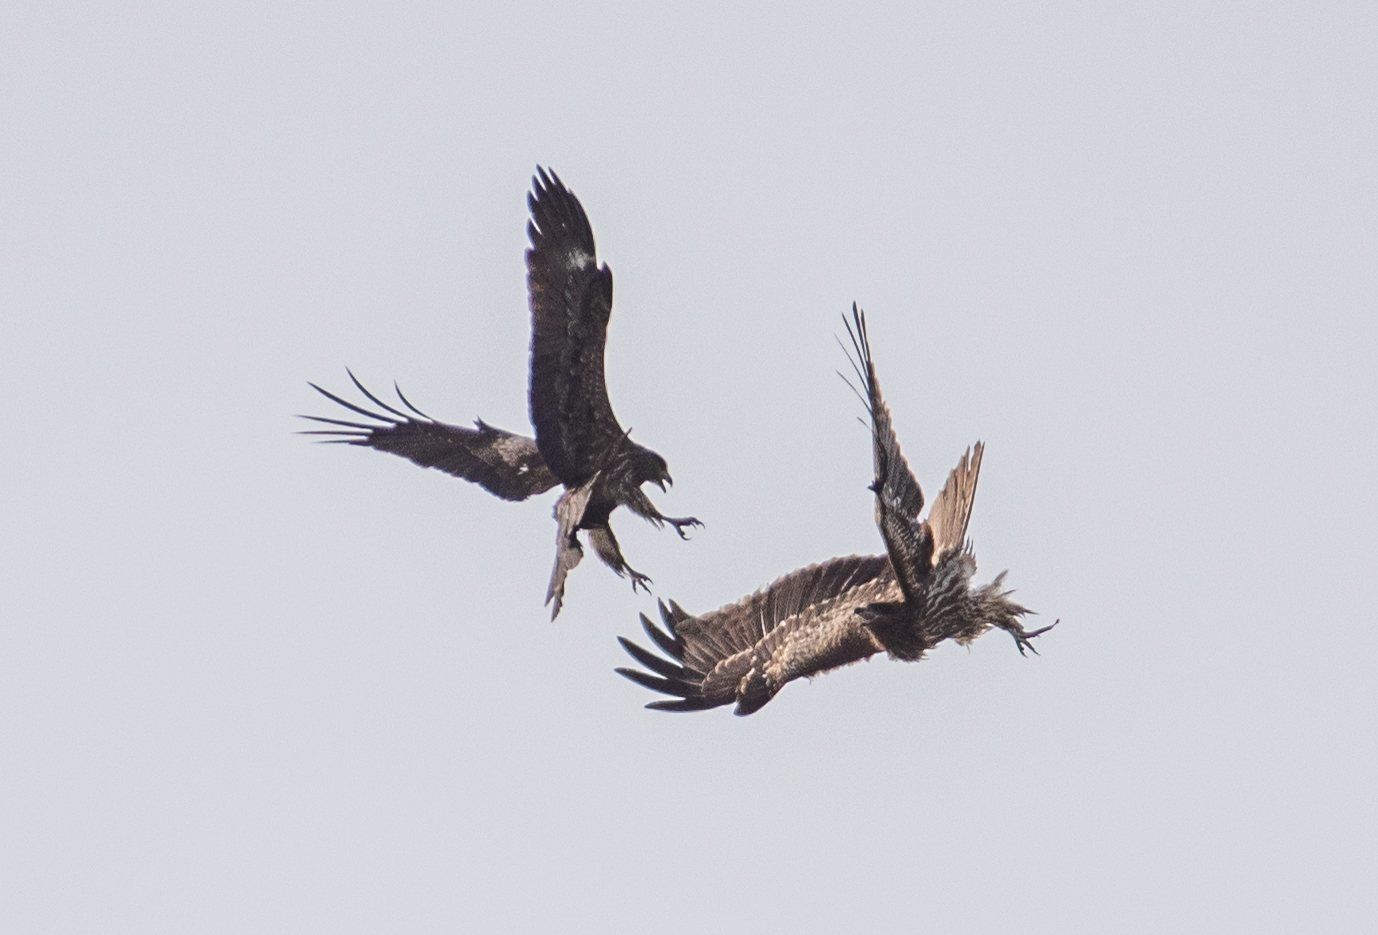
(666, 482)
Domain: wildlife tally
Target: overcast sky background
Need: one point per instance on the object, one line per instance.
(251, 684)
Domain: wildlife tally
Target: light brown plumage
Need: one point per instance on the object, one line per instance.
(846, 609)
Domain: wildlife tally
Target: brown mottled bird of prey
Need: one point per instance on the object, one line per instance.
(579, 442)
(843, 610)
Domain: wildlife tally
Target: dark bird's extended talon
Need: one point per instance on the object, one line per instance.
(679, 525)
(639, 581)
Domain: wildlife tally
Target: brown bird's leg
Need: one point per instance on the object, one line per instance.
(1022, 637)
(605, 545)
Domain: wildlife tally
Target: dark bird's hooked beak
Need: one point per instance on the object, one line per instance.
(666, 482)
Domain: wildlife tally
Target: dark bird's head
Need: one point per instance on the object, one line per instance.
(647, 466)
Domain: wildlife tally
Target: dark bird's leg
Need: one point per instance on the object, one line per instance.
(641, 505)
(680, 522)
(605, 545)
(1022, 637)
(569, 512)
(567, 555)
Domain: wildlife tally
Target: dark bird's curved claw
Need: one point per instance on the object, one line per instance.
(1021, 638)
(679, 524)
(639, 581)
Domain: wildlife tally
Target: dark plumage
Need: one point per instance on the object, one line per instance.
(576, 430)
(502, 463)
(845, 609)
(579, 443)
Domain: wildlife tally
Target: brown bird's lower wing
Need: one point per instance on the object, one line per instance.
(500, 462)
(802, 624)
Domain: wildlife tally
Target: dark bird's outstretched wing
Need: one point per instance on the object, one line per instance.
(500, 462)
(952, 509)
(898, 495)
(571, 299)
(802, 624)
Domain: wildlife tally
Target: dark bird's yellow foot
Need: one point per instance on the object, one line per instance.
(679, 524)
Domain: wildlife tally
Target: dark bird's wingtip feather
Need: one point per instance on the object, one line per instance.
(351, 406)
(408, 403)
(374, 399)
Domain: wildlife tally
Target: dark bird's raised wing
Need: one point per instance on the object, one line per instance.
(571, 299)
(500, 462)
(899, 499)
(802, 624)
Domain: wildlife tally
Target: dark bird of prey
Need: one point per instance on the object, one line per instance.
(843, 610)
(579, 443)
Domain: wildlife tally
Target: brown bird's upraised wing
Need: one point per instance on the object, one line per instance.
(802, 624)
(898, 495)
(571, 299)
(952, 509)
(500, 462)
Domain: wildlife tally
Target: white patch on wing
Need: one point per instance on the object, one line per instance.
(577, 259)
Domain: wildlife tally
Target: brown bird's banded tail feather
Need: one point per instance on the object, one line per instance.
(951, 512)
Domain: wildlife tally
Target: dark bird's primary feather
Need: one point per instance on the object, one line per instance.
(846, 609)
(571, 301)
(500, 462)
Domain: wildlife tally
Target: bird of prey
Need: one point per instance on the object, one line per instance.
(818, 618)
(579, 443)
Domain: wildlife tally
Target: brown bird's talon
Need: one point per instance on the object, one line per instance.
(1022, 639)
(904, 602)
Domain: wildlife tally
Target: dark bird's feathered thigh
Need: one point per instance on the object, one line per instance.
(818, 618)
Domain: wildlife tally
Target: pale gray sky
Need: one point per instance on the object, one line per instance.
(248, 684)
